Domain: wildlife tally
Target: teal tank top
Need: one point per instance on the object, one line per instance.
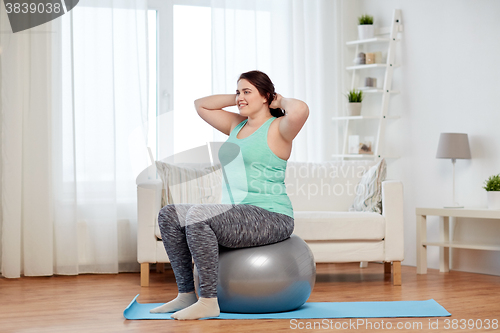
(252, 173)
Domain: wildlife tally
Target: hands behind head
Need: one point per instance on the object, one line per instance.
(276, 103)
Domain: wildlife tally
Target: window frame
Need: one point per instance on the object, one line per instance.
(165, 71)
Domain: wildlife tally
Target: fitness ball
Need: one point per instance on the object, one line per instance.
(264, 279)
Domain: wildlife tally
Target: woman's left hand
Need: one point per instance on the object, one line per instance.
(276, 103)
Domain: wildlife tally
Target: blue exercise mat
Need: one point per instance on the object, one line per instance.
(315, 310)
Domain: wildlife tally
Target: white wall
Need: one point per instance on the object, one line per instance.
(449, 80)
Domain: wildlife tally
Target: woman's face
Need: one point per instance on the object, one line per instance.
(248, 99)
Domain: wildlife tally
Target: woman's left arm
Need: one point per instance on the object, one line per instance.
(296, 113)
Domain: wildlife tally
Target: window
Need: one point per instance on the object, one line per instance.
(180, 51)
(192, 74)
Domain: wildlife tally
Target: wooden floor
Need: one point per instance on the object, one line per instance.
(95, 303)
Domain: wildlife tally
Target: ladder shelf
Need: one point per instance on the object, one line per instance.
(377, 148)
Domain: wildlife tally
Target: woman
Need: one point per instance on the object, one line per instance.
(262, 215)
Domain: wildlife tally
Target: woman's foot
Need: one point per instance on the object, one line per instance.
(205, 307)
(182, 301)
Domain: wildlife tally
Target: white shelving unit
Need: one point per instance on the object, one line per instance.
(385, 91)
(446, 238)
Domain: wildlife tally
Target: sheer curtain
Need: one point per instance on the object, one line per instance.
(297, 43)
(27, 239)
(73, 103)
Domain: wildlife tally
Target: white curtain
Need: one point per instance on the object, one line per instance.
(297, 43)
(74, 101)
(26, 140)
(74, 98)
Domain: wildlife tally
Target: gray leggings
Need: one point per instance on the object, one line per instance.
(197, 230)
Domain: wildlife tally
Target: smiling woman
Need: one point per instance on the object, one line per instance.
(247, 216)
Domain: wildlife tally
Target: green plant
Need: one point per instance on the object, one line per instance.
(355, 96)
(492, 183)
(365, 19)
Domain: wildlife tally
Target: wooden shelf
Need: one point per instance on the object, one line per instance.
(378, 31)
(371, 90)
(455, 245)
(362, 156)
(363, 117)
(467, 212)
(355, 155)
(370, 40)
(350, 68)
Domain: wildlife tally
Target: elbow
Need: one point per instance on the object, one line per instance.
(300, 113)
(197, 105)
(304, 112)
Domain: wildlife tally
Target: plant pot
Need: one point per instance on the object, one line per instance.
(354, 109)
(366, 31)
(493, 199)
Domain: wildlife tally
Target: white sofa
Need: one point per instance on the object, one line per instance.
(321, 194)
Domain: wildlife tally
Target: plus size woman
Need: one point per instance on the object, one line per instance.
(255, 209)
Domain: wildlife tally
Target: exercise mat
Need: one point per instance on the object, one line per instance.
(315, 310)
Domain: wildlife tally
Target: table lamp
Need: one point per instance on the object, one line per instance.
(453, 145)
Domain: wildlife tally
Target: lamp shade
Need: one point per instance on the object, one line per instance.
(453, 145)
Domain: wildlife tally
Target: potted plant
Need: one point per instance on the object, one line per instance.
(354, 97)
(365, 27)
(492, 186)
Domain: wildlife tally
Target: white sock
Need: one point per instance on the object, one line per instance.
(205, 307)
(183, 300)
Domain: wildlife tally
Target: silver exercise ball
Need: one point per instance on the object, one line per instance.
(263, 279)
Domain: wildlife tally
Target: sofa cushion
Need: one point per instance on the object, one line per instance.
(369, 190)
(319, 225)
(334, 226)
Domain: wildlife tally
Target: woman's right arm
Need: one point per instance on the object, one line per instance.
(210, 109)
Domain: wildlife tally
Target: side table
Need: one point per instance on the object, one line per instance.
(444, 227)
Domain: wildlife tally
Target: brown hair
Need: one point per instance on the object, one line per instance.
(265, 87)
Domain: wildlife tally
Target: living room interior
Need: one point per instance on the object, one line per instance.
(93, 99)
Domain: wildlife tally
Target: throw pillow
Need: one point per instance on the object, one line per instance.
(369, 189)
(190, 183)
